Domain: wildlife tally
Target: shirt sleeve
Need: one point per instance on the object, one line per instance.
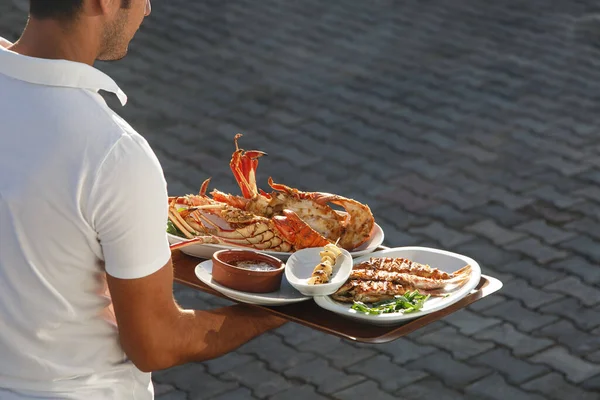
(129, 210)
(4, 43)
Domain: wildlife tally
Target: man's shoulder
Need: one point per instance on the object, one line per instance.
(66, 107)
(86, 118)
(82, 122)
(128, 148)
(84, 107)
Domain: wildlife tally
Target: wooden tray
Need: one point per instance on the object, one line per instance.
(310, 314)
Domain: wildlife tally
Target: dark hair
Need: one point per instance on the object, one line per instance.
(57, 9)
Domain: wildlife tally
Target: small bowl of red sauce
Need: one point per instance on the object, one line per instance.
(247, 270)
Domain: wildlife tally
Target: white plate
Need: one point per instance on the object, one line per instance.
(440, 259)
(301, 264)
(285, 295)
(207, 250)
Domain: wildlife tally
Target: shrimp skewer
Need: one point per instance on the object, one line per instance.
(323, 271)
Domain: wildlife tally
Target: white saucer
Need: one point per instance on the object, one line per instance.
(285, 295)
(301, 264)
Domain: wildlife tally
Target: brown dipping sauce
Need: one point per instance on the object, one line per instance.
(253, 265)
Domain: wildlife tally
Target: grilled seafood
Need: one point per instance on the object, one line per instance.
(284, 220)
(409, 280)
(383, 278)
(353, 227)
(374, 291)
(324, 270)
(207, 221)
(402, 265)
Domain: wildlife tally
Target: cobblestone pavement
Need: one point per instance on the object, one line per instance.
(466, 125)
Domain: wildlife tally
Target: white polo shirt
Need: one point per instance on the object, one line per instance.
(81, 194)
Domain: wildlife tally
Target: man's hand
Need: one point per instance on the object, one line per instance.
(156, 333)
(4, 43)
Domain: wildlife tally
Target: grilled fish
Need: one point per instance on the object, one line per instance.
(403, 265)
(383, 278)
(407, 279)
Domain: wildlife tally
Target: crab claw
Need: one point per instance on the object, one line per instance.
(298, 232)
(243, 165)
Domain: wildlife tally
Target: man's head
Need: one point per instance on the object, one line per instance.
(111, 23)
(64, 10)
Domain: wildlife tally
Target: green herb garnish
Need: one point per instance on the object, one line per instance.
(409, 303)
(173, 230)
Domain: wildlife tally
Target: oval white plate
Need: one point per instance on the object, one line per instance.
(443, 260)
(207, 250)
(285, 295)
(301, 264)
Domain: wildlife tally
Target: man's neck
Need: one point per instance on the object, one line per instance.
(49, 39)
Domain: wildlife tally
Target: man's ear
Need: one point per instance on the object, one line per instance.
(101, 7)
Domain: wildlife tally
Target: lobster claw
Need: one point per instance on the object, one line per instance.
(243, 165)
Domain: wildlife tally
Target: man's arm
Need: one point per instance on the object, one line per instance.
(156, 333)
(128, 208)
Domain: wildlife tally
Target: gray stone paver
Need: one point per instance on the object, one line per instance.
(530, 296)
(554, 386)
(460, 346)
(326, 378)
(495, 387)
(519, 343)
(271, 349)
(297, 392)
(533, 273)
(513, 369)
(261, 380)
(588, 295)
(575, 369)
(586, 319)
(453, 373)
(466, 125)
(363, 390)
(578, 341)
(173, 395)
(236, 394)
(431, 388)
(389, 376)
(523, 318)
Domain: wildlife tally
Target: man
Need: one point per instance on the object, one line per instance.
(83, 208)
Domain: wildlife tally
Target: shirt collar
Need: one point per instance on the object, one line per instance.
(61, 73)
